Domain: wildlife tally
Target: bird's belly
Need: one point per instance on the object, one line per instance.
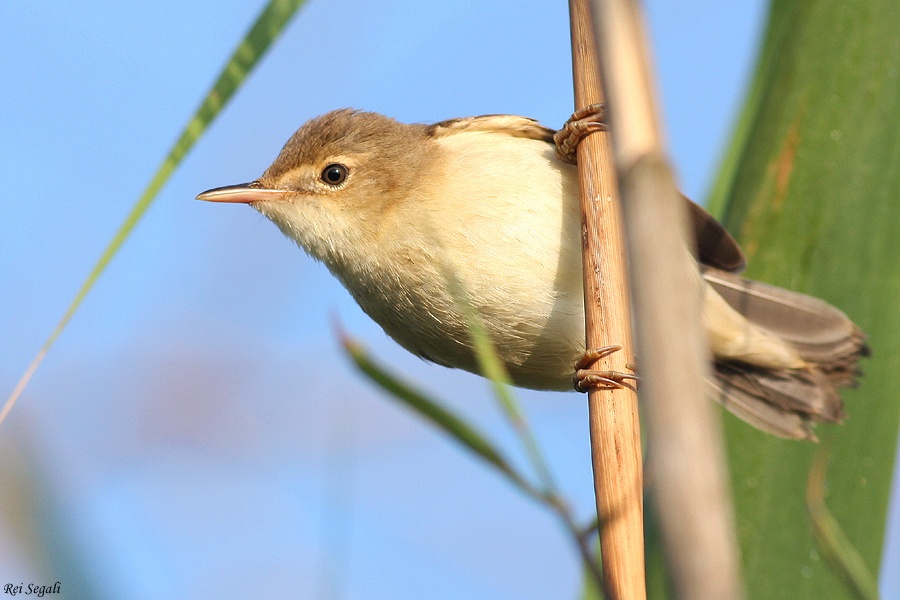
(529, 301)
(538, 347)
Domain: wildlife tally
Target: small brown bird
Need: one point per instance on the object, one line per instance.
(405, 216)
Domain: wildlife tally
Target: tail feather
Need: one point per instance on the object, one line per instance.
(787, 402)
(757, 411)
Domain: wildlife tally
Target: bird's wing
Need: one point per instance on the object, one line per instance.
(505, 124)
(715, 246)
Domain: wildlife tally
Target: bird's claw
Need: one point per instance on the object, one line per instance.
(585, 379)
(582, 123)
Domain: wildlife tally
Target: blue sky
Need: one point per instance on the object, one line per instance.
(196, 432)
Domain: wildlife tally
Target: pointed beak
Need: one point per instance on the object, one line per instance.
(243, 192)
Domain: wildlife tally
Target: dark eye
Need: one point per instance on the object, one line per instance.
(334, 174)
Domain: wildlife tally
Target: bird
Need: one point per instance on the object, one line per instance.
(409, 217)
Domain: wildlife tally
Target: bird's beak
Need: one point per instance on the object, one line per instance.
(243, 192)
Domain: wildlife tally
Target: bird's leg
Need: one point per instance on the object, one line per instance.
(583, 122)
(585, 378)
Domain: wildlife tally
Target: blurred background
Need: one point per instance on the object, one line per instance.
(197, 432)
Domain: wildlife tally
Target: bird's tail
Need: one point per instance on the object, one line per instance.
(787, 402)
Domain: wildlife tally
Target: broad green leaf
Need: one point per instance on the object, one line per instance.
(270, 23)
(810, 188)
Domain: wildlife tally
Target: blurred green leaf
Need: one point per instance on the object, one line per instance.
(464, 433)
(809, 187)
(469, 437)
(264, 31)
(492, 368)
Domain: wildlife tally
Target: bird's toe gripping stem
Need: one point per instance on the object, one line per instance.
(583, 122)
(585, 379)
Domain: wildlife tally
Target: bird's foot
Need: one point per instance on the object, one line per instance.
(585, 379)
(582, 123)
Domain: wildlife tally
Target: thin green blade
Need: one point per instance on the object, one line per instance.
(456, 427)
(265, 30)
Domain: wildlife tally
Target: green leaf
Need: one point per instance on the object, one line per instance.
(456, 427)
(492, 367)
(264, 31)
(809, 188)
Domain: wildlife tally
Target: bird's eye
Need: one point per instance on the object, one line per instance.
(334, 174)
